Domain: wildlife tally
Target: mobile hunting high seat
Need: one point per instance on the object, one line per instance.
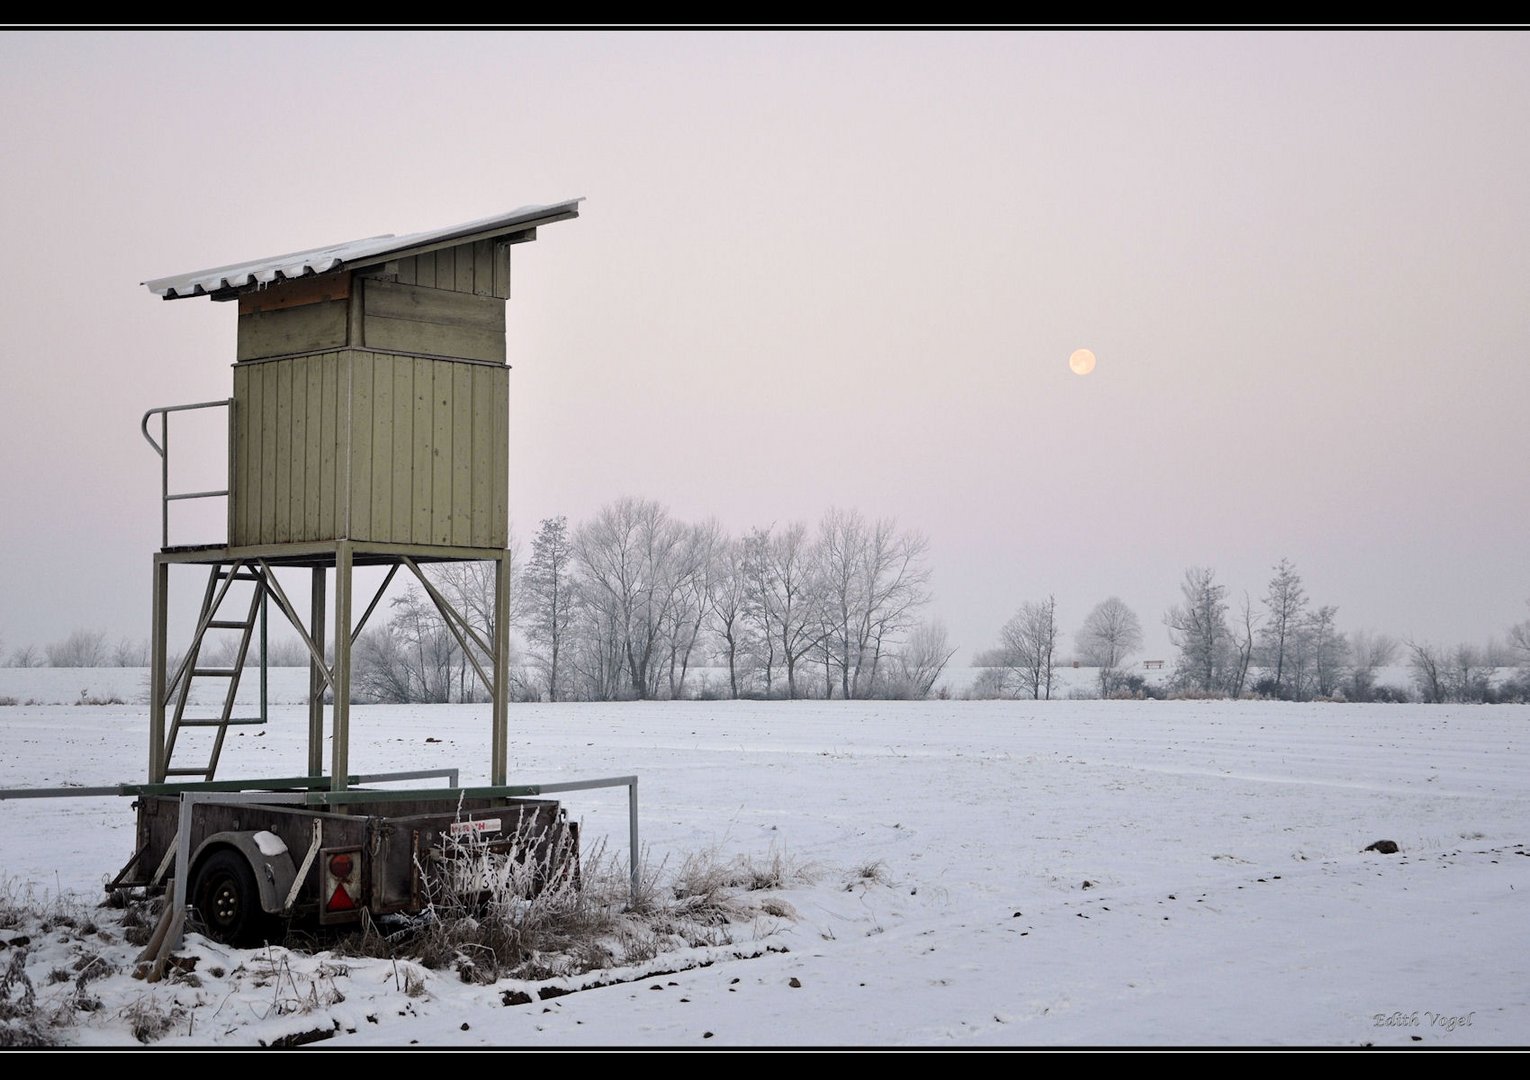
(368, 427)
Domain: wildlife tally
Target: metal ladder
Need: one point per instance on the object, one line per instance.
(221, 577)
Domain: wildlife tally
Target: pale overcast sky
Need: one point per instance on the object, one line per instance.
(837, 269)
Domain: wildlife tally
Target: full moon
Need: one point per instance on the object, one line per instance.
(1082, 361)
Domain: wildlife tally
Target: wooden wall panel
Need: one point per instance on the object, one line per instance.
(374, 446)
(379, 522)
(434, 322)
(441, 455)
(424, 432)
(297, 444)
(313, 402)
(329, 445)
(482, 454)
(309, 328)
(500, 522)
(403, 450)
(358, 522)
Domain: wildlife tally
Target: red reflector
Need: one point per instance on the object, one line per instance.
(341, 900)
(340, 865)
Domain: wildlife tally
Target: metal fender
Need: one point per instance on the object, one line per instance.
(274, 872)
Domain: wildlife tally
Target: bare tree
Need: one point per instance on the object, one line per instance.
(1027, 645)
(758, 601)
(27, 656)
(628, 557)
(794, 599)
(82, 648)
(130, 653)
(546, 601)
(470, 588)
(1519, 641)
(596, 654)
(1469, 677)
(1242, 649)
(695, 578)
(730, 599)
(1430, 671)
(1110, 634)
(1327, 648)
(1286, 603)
(381, 670)
(874, 579)
(1198, 628)
(918, 663)
(1368, 652)
(411, 658)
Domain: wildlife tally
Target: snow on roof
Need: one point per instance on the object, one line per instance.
(371, 249)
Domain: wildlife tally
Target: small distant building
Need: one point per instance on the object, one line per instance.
(1153, 665)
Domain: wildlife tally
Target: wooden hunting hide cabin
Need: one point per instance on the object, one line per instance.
(370, 395)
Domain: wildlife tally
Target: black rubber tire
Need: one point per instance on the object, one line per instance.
(227, 898)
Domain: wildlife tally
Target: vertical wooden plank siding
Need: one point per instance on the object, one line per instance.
(345, 410)
(371, 446)
(500, 523)
(481, 454)
(462, 454)
(313, 458)
(329, 413)
(380, 519)
(266, 527)
(282, 523)
(424, 430)
(403, 450)
(465, 260)
(441, 454)
(298, 447)
(446, 268)
(360, 446)
(241, 451)
(483, 268)
(406, 271)
(502, 271)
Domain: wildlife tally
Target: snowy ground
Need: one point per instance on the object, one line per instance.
(949, 845)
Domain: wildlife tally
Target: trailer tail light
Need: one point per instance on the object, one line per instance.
(340, 885)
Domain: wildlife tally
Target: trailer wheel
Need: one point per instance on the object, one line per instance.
(225, 894)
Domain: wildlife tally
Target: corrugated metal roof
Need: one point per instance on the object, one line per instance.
(371, 249)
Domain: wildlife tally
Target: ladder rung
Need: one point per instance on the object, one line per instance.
(215, 722)
(186, 772)
(228, 624)
(216, 672)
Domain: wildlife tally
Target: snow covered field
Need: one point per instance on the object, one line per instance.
(975, 873)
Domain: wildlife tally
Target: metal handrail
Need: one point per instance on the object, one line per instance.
(162, 448)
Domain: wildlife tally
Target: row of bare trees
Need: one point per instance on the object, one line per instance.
(1024, 664)
(81, 648)
(1280, 646)
(628, 604)
(1285, 647)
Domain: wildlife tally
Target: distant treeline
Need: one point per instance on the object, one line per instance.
(632, 603)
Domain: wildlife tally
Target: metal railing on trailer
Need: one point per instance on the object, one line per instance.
(311, 791)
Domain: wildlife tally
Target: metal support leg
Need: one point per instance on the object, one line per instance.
(499, 758)
(632, 838)
(265, 656)
(316, 680)
(341, 724)
(158, 661)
